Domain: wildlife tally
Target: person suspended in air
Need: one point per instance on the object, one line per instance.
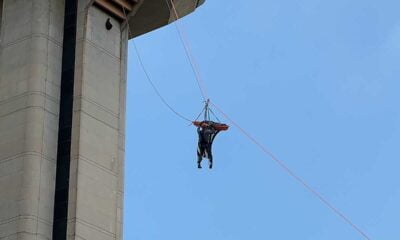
(207, 131)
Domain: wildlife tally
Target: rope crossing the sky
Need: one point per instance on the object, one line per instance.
(282, 164)
(155, 88)
(188, 52)
(256, 142)
(149, 78)
(293, 174)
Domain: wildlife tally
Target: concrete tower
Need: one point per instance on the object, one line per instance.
(62, 113)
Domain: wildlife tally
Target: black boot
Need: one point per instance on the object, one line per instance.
(199, 158)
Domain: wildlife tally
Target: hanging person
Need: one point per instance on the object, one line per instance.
(207, 131)
(207, 134)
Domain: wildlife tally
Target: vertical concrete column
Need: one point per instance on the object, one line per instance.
(97, 147)
(1, 13)
(30, 68)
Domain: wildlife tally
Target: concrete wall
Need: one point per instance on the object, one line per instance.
(30, 74)
(153, 14)
(31, 46)
(97, 155)
(1, 13)
(30, 68)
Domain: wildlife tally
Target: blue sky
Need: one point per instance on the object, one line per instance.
(317, 82)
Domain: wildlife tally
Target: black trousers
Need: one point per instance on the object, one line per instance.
(204, 150)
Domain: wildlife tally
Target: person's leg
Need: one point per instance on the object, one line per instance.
(210, 157)
(200, 152)
(199, 159)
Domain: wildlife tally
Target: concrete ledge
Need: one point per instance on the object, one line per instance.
(153, 14)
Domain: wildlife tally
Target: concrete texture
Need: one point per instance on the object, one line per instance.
(1, 13)
(30, 65)
(97, 152)
(31, 44)
(153, 14)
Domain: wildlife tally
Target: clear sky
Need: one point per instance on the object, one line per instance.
(317, 82)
